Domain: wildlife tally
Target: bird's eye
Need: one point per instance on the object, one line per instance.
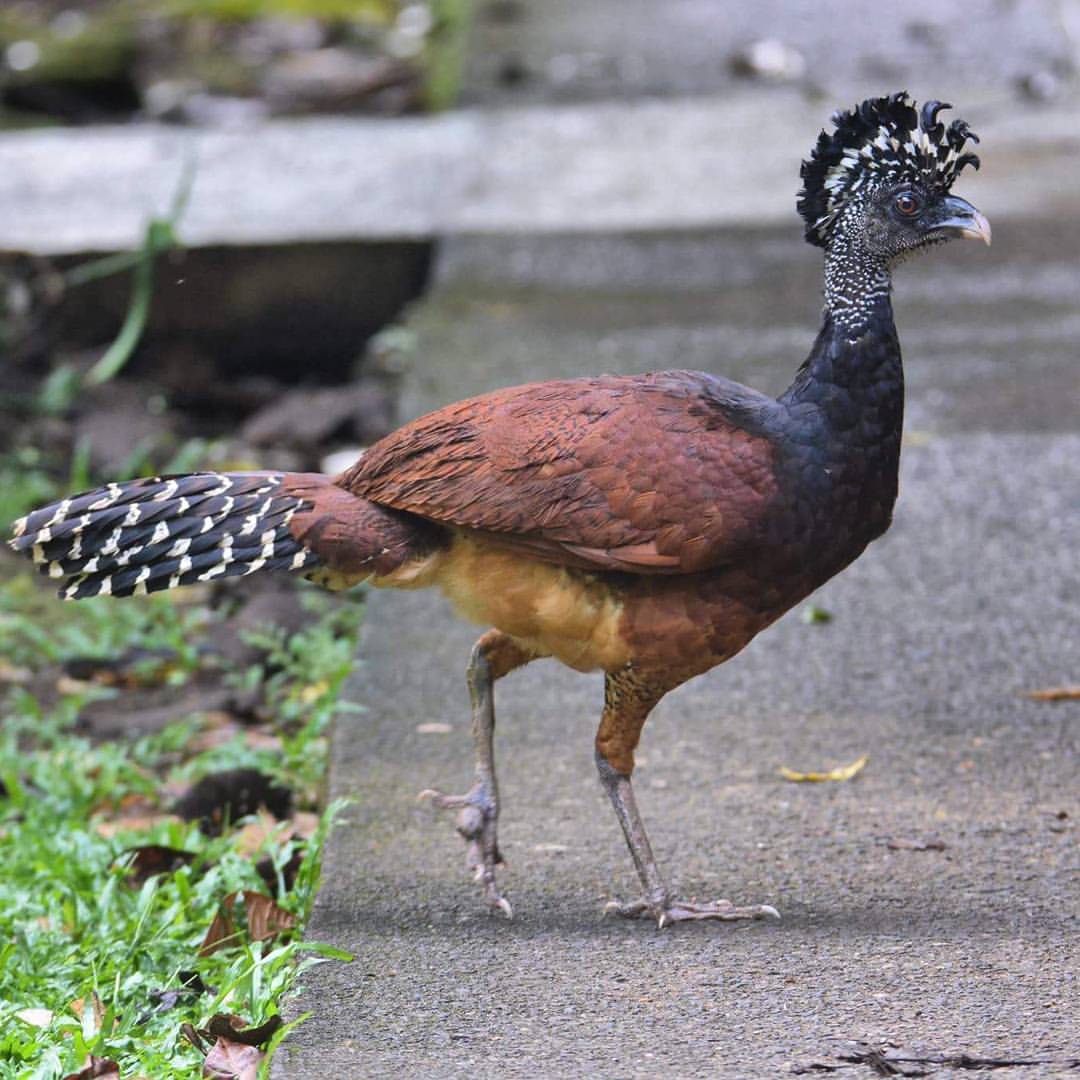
(907, 203)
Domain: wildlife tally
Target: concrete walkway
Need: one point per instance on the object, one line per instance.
(969, 601)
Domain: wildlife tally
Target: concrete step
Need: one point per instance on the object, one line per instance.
(989, 336)
(647, 165)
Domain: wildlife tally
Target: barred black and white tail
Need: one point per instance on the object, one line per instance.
(146, 535)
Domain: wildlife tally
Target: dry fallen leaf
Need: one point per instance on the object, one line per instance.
(262, 740)
(265, 919)
(255, 834)
(134, 802)
(843, 772)
(66, 685)
(902, 843)
(151, 859)
(1054, 693)
(218, 729)
(191, 986)
(225, 1026)
(220, 932)
(96, 1067)
(235, 1055)
(222, 728)
(230, 1060)
(39, 1018)
(97, 1013)
(191, 1033)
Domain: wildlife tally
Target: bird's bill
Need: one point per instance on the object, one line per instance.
(962, 219)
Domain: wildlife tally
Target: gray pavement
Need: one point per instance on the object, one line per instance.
(970, 600)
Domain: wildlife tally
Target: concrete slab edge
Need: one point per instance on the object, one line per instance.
(645, 165)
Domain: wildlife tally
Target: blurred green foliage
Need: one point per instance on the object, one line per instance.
(378, 11)
(444, 56)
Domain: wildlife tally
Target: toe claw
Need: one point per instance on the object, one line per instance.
(503, 905)
(440, 801)
(667, 913)
(630, 910)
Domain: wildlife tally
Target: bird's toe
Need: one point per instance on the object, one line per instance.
(668, 912)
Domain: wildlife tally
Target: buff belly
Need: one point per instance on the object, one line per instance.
(551, 610)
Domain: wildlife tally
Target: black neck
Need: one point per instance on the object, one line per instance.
(853, 373)
(843, 414)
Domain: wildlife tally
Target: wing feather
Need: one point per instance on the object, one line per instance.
(662, 473)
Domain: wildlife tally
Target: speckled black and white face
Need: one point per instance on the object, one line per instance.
(898, 219)
(882, 180)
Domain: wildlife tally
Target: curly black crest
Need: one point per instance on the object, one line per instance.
(882, 140)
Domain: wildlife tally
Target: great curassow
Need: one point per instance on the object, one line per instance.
(647, 526)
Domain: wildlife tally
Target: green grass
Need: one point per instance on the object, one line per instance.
(71, 925)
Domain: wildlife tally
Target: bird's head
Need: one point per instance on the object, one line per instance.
(881, 181)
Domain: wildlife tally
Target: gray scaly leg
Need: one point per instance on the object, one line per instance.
(629, 697)
(493, 656)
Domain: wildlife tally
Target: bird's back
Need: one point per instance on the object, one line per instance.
(668, 472)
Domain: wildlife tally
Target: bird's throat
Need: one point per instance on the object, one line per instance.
(854, 366)
(857, 288)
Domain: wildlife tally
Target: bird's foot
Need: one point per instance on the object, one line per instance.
(476, 823)
(669, 911)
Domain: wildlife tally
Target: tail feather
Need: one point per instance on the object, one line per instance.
(156, 533)
(153, 540)
(160, 532)
(138, 581)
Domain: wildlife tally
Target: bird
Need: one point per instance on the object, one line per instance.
(643, 526)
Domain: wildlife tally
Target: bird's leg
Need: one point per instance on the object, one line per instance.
(494, 655)
(628, 699)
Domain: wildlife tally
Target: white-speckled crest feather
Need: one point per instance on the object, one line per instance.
(882, 141)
